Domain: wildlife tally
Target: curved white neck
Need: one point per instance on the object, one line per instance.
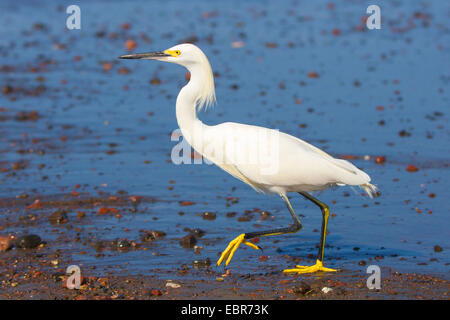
(190, 126)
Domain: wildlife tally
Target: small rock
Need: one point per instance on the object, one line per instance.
(186, 203)
(188, 241)
(81, 214)
(197, 249)
(27, 116)
(404, 133)
(155, 81)
(209, 216)
(7, 89)
(156, 292)
(173, 285)
(28, 242)
(5, 243)
(326, 290)
(412, 168)
(202, 263)
(130, 45)
(227, 273)
(438, 248)
(380, 159)
(302, 288)
(264, 215)
(198, 233)
(58, 217)
(123, 244)
(362, 263)
(150, 235)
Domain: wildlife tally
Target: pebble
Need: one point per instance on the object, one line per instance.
(198, 233)
(150, 235)
(412, 168)
(404, 133)
(302, 288)
(209, 216)
(28, 242)
(58, 217)
(326, 290)
(438, 248)
(5, 243)
(202, 263)
(7, 89)
(123, 244)
(380, 159)
(264, 215)
(188, 241)
(156, 292)
(173, 285)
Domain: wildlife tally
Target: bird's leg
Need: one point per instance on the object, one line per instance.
(319, 263)
(234, 244)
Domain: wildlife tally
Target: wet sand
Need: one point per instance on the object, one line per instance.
(40, 272)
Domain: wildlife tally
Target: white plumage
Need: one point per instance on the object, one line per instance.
(266, 159)
(301, 166)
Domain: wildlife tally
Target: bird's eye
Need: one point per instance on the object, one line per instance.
(177, 52)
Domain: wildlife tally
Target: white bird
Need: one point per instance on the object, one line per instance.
(266, 159)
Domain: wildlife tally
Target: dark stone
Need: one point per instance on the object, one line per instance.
(28, 242)
(202, 263)
(188, 241)
(209, 216)
(123, 244)
(302, 288)
(58, 217)
(150, 235)
(196, 232)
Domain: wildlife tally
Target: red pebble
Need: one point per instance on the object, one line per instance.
(380, 159)
(156, 292)
(336, 32)
(412, 168)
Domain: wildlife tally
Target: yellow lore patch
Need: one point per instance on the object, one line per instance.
(173, 53)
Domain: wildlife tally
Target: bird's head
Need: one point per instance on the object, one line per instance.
(185, 54)
(193, 59)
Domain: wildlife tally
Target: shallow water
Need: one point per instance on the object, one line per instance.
(110, 131)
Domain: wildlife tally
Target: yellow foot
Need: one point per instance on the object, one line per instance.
(232, 247)
(308, 269)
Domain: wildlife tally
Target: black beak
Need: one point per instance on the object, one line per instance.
(148, 55)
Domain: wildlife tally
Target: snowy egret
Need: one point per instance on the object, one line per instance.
(300, 167)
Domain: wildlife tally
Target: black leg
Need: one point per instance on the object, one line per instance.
(297, 226)
(228, 253)
(325, 214)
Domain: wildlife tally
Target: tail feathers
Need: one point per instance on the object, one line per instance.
(371, 190)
